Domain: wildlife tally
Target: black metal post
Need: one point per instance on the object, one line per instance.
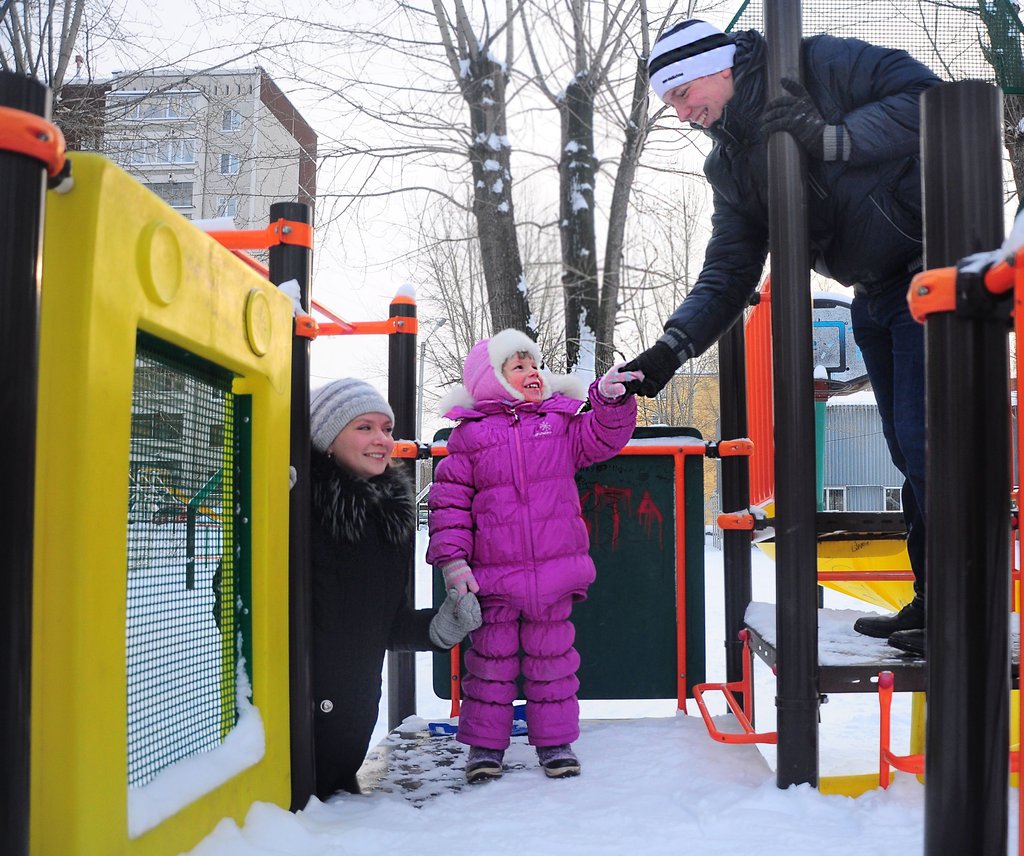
(402, 398)
(793, 364)
(968, 487)
(22, 206)
(735, 492)
(288, 262)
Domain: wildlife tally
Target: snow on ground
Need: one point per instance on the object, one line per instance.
(653, 783)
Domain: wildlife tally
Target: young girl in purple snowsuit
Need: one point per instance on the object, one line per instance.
(505, 523)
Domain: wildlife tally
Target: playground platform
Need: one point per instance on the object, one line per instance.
(849, 662)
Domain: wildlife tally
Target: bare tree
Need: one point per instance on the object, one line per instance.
(606, 45)
(482, 79)
(37, 37)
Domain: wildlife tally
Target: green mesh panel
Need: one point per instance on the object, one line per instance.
(959, 41)
(185, 557)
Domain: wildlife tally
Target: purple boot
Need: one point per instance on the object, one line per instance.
(483, 764)
(558, 761)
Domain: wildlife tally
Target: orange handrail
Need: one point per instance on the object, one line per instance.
(743, 714)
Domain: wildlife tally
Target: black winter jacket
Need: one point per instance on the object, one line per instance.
(362, 534)
(864, 214)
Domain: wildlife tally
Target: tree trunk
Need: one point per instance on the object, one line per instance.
(490, 155)
(576, 169)
(634, 139)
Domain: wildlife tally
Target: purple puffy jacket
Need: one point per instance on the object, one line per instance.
(505, 498)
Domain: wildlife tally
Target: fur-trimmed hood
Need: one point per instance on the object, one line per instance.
(346, 505)
(571, 386)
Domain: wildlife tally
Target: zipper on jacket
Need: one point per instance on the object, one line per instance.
(519, 474)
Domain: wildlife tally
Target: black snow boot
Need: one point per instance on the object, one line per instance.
(912, 641)
(911, 617)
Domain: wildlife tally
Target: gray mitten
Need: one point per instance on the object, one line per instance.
(457, 616)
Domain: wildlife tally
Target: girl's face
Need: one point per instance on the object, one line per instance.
(521, 371)
(363, 447)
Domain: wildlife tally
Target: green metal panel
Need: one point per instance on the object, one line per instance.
(626, 629)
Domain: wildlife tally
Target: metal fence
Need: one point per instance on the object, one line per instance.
(959, 41)
(183, 566)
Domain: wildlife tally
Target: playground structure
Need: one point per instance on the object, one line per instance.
(166, 269)
(175, 688)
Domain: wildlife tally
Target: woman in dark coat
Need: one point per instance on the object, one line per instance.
(363, 526)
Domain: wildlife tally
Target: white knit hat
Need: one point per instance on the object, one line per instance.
(333, 406)
(687, 51)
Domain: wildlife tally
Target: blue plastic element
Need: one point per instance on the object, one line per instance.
(441, 729)
(446, 729)
(518, 720)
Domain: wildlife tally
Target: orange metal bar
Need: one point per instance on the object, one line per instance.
(31, 135)
(279, 232)
(743, 716)
(760, 416)
(679, 461)
(879, 576)
(257, 266)
(323, 310)
(405, 449)
(395, 324)
(455, 677)
(886, 757)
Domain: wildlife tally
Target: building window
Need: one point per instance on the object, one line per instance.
(177, 194)
(232, 120)
(893, 499)
(143, 108)
(145, 150)
(227, 206)
(229, 164)
(835, 499)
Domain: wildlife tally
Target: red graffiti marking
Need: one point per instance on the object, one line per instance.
(606, 497)
(648, 512)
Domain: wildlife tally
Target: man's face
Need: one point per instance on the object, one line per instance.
(702, 101)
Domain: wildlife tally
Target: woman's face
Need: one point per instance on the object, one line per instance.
(363, 447)
(521, 371)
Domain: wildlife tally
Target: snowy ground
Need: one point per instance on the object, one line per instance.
(653, 783)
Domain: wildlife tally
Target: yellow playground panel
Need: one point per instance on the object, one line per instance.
(121, 267)
(874, 570)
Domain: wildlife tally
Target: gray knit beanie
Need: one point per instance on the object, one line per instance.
(333, 406)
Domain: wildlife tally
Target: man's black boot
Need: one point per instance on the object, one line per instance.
(911, 641)
(911, 617)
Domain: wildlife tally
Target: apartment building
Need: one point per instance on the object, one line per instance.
(225, 143)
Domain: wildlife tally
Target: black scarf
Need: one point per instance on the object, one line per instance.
(346, 506)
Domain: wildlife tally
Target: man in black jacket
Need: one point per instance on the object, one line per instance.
(856, 116)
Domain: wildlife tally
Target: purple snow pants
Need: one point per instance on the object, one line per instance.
(549, 675)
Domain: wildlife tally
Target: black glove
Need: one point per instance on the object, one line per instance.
(658, 363)
(797, 114)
